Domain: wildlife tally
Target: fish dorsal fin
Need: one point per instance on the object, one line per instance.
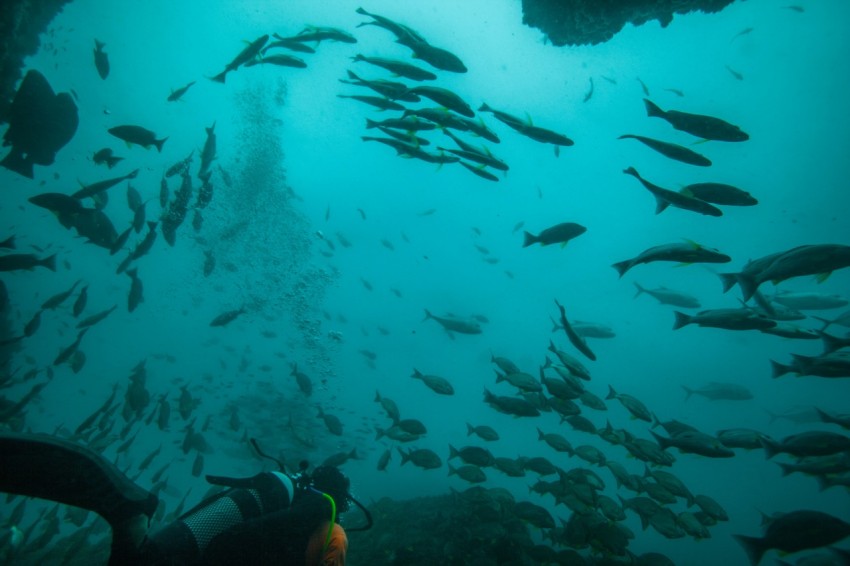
(693, 244)
(528, 119)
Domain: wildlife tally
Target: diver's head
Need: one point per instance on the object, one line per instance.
(328, 479)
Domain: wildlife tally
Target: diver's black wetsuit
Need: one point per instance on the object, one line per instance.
(259, 520)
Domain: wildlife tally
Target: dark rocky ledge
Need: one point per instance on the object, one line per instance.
(580, 22)
(21, 24)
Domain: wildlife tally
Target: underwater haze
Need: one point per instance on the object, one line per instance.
(327, 250)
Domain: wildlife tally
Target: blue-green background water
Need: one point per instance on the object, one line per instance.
(300, 169)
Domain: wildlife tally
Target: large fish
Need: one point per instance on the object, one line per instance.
(819, 259)
(455, 324)
(40, 124)
(796, 531)
(671, 150)
(244, 56)
(558, 234)
(666, 197)
(685, 253)
(137, 135)
(397, 67)
(705, 127)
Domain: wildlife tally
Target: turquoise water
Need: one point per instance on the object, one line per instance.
(300, 174)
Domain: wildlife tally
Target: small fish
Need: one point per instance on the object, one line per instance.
(743, 32)
(676, 91)
(706, 127)
(136, 296)
(104, 157)
(226, 318)
(95, 318)
(589, 94)
(734, 73)
(101, 59)
(177, 94)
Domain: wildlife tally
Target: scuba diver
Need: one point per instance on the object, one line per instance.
(270, 518)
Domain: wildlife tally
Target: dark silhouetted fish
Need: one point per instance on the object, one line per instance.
(137, 135)
(666, 197)
(671, 150)
(40, 124)
(177, 94)
(244, 56)
(706, 127)
(101, 59)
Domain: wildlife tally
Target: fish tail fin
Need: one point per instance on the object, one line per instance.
(754, 547)
(632, 171)
(771, 447)
(404, 457)
(682, 319)
(358, 57)
(452, 470)
(661, 204)
(728, 280)
(219, 78)
(99, 44)
(830, 343)
(779, 369)
(748, 286)
(49, 262)
(528, 239)
(786, 469)
(826, 322)
(652, 110)
(484, 108)
(640, 290)
(622, 267)
(611, 393)
(453, 452)
(662, 441)
(688, 392)
(158, 144)
(428, 315)
(362, 12)
(416, 374)
(371, 124)
(16, 162)
(824, 481)
(469, 429)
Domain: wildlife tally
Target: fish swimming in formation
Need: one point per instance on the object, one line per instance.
(719, 193)
(667, 296)
(400, 68)
(685, 253)
(706, 127)
(671, 150)
(244, 56)
(666, 197)
(794, 532)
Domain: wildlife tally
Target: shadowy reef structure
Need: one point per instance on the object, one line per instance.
(580, 22)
